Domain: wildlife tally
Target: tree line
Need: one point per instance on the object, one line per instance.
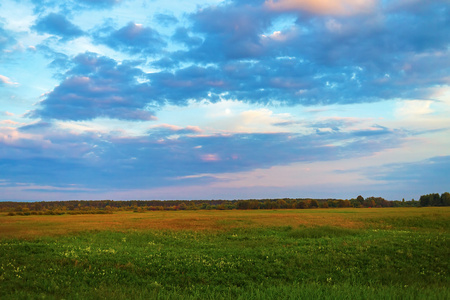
(435, 199)
(109, 206)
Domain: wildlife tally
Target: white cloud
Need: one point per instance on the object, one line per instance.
(414, 108)
(251, 121)
(7, 80)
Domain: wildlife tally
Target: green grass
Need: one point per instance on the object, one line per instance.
(391, 258)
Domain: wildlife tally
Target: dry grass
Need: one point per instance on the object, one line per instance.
(29, 227)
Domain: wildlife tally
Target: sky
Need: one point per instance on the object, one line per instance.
(210, 99)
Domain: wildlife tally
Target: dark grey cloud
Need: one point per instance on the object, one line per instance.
(132, 38)
(193, 82)
(375, 130)
(334, 124)
(96, 160)
(35, 127)
(233, 53)
(57, 24)
(231, 31)
(389, 53)
(163, 131)
(98, 87)
(183, 36)
(285, 80)
(165, 63)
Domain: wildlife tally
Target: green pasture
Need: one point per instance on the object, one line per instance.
(393, 256)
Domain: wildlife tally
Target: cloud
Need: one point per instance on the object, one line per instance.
(421, 177)
(238, 51)
(165, 19)
(6, 39)
(36, 127)
(383, 54)
(57, 24)
(100, 3)
(69, 6)
(287, 81)
(190, 83)
(167, 129)
(6, 80)
(322, 7)
(373, 131)
(332, 123)
(98, 86)
(132, 38)
(248, 121)
(182, 35)
(9, 122)
(59, 61)
(230, 31)
(414, 108)
(165, 63)
(100, 160)
(6, 113)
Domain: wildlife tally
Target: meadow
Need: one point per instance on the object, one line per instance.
(346, 253)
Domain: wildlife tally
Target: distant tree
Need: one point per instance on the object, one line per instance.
(435, 200)
(355, 203)
(301, 204)
(314, 203)
(241, 204)
(360, 199)
(369, 202)
(291, 203)
(207, 206)
(332, 203)
(425, 200)
(253, 204)
(282, 203)
(445, 199)
(308, 203)
(270, 204)
(430, 200)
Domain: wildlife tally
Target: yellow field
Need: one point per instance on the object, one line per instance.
(51, 225)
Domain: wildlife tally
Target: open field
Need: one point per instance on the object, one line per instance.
(260, 254)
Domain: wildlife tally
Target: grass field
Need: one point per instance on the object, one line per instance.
(388, 253)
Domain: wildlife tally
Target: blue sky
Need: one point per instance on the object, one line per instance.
(134, 99)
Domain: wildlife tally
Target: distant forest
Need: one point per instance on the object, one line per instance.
(140, 206)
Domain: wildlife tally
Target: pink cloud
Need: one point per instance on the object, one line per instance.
(7, 113)
(9, 122)
(179, 129)
(210, 157)
(323, 7)
(7, 80)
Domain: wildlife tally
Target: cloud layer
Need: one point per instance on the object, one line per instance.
(57, 24)
(98, 87)
(124, 95)
(168, 153)
(324, 52)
